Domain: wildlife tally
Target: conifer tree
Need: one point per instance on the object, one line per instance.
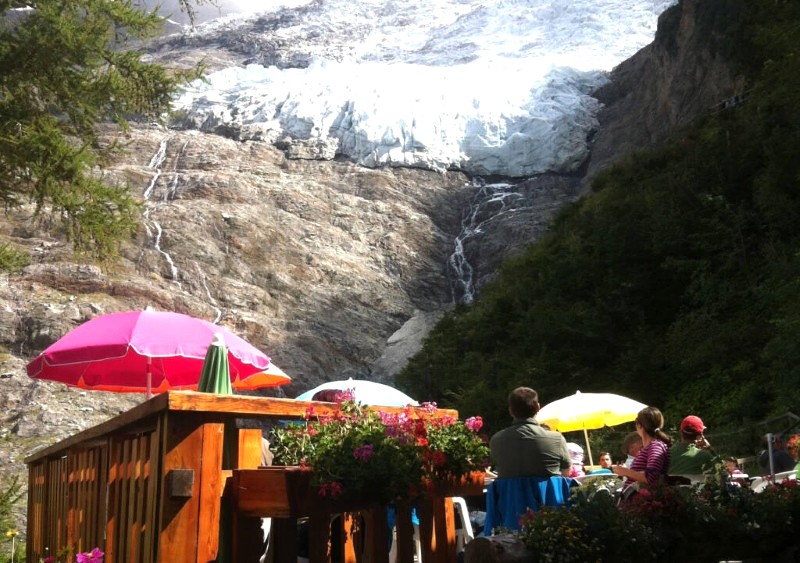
(68, 68)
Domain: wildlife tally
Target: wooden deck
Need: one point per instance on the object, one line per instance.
(148, 486)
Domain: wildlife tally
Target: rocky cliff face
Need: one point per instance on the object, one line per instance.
(684, 74)
(332, 269)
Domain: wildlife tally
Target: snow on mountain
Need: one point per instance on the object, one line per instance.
(492, 88)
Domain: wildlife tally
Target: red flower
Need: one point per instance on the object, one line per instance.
(439, 459)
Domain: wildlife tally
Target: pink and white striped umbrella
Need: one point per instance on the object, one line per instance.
(148, 351)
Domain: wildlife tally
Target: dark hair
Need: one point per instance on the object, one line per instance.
(689, 435)
(523, 402)
(734, 460)
(327, 395)
(630, 439)
(652, 421)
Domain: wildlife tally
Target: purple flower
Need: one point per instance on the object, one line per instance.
(363, 452)
(94, 556)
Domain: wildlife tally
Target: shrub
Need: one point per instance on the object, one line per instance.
(12, 259)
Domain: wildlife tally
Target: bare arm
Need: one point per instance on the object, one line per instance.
(623, 471)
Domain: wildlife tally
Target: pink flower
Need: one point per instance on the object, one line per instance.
(363, 452)
(94, 556)
(429, 407)
(336, 489)
(50, 559)
(349, 395)
(474, 423)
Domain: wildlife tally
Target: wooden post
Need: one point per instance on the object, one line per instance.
(405, 532)
(189, 527)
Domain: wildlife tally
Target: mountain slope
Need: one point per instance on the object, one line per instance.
(675, 280)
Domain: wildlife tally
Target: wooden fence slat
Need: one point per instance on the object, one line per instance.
(112, 527)
(152, 470)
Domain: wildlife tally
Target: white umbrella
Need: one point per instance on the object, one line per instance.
(366, 392)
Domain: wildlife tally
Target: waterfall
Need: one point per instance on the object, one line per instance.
(156, 164)
(489, 202)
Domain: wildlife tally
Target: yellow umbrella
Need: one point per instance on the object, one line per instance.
(588, 411)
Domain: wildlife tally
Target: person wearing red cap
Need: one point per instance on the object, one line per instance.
(693, 454)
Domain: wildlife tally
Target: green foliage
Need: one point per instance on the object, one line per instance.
(674, 282)
(69, 67)
(558, 534)
(663, 524)
(10, 494)
(12, 259)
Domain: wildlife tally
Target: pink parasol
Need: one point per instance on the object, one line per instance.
(148, 351)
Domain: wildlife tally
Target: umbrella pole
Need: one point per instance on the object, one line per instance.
(588, 447)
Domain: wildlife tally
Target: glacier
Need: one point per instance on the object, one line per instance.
(497, 88)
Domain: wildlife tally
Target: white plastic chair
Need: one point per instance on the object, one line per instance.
(417, 546)
(760, 483)
(464, 533)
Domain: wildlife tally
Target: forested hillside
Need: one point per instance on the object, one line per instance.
(675, 281)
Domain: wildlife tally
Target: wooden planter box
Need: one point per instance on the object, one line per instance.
(277, 492)
(471, 484)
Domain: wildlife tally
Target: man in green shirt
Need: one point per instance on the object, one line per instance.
(692, 454)
(525, 449)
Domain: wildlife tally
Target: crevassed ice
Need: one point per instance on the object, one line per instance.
(488, 87)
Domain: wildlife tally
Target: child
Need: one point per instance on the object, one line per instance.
(576, 455)
(631, 445)
(737, 476)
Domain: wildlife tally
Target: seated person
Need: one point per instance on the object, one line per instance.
(576, 455)
(782, 460)
(631, 445)
(735, 474)
(525, 449)
(732, 465)
(531, 463)
(605, 465)
(693, 454)
(652, 463)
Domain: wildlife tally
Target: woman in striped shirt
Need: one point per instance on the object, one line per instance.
(652, 463)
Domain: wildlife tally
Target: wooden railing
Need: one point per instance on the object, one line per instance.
(147, 486)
